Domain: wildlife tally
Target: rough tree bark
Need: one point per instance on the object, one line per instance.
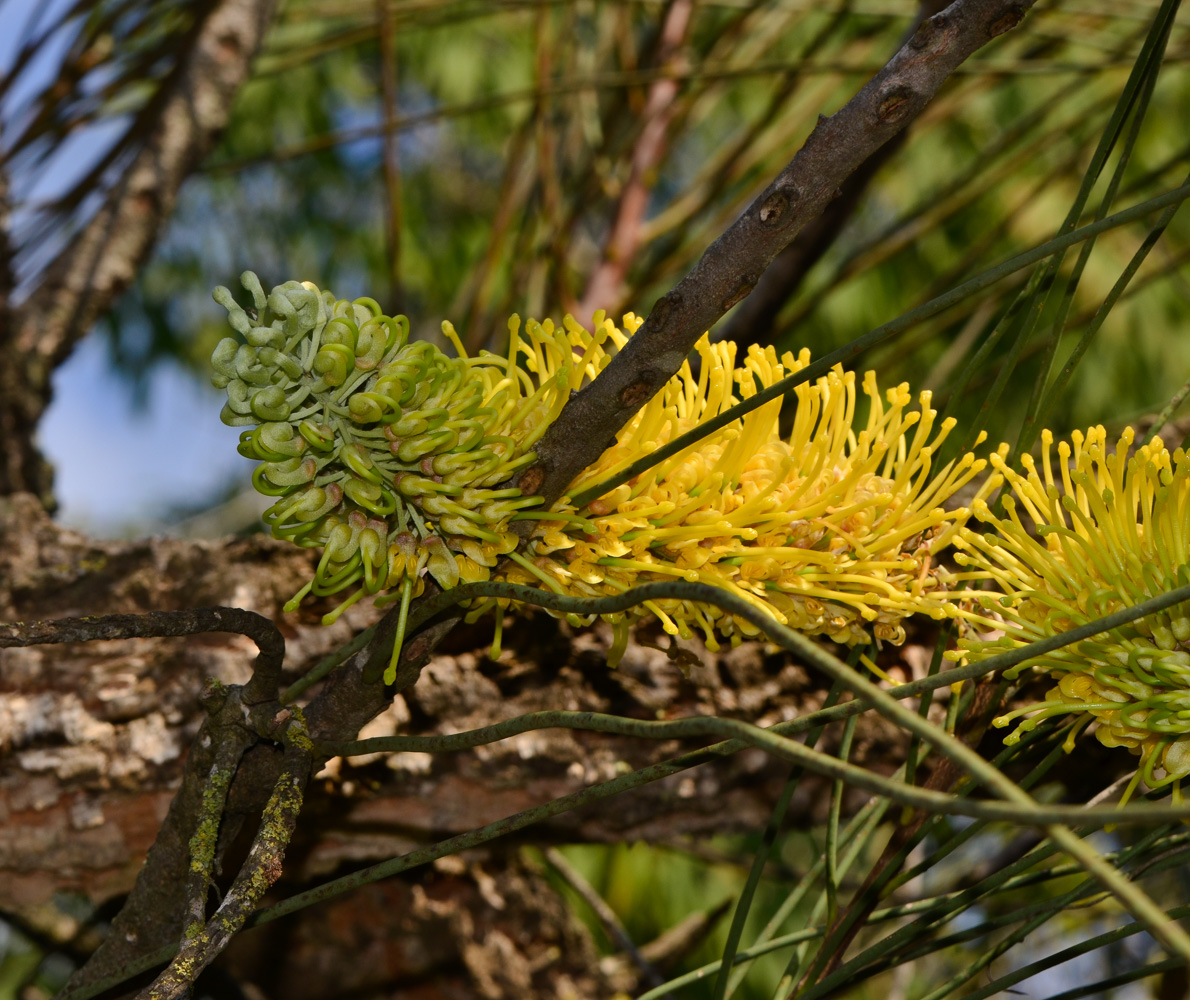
(94, 737)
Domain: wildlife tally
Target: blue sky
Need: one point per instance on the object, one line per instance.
(119, 467)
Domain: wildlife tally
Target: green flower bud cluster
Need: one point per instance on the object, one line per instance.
(385, 453)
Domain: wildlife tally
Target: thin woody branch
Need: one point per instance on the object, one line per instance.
(204, 943)
(186, 850)
(754, 320)
(204, 840)
(228, 741)
(733, 264)
(607, 916)
(154, 624)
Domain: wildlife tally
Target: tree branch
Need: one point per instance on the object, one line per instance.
(733, 264)
(264, 633)
(606, 287)
(754, 319)
(204, 943)
(87, 276)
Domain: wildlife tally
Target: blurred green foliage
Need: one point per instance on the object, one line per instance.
(516, 127)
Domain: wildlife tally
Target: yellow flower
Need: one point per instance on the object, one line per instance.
(1112, 531)
(391, 457)
(832, 530)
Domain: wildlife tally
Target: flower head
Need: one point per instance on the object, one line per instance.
(832, 530)
(390, 457)
(1111, 531)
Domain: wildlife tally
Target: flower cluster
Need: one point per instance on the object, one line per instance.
(394, 459)
(1110, 531)
(831, 530)
(390, 457)
(385, 454)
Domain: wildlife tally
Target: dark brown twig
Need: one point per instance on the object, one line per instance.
(267, 671)
(754, 321)
(152, 915)
(733, 264)
(189, 843)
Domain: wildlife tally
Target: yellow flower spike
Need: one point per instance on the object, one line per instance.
(1106, 538)
(829, 529)
(833, 529)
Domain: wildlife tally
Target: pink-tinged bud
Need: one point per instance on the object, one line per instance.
(342, 542)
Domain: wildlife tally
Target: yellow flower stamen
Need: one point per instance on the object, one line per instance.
(1111, 535)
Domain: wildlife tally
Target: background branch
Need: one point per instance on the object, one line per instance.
(605, 289)
(156, 624)
(607, 916)
(98, 264)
